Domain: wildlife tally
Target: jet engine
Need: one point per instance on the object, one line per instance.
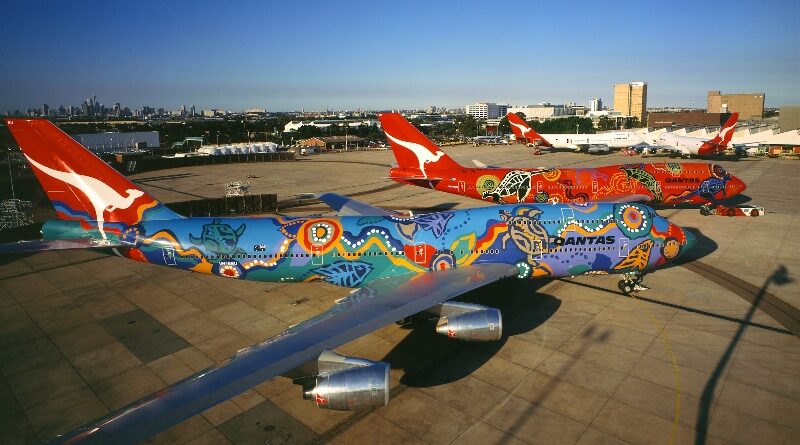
(348, 383)
(469, 322)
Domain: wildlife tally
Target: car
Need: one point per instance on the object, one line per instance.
(721, 210)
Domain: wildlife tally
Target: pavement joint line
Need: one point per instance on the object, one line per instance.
(668, 346)
(53, 268)
(398, 389)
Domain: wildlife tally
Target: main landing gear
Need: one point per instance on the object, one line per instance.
(632, 282)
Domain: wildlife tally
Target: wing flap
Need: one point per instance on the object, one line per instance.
(363, 311)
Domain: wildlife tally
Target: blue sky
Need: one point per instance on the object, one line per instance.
(380, 55)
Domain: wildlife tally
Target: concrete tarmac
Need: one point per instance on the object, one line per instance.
(705, 356)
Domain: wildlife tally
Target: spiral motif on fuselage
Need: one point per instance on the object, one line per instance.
(632, 220)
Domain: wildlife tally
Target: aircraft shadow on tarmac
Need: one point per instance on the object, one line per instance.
(430, 359)
(703, 247)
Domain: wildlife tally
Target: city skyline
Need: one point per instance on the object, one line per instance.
(347, 56)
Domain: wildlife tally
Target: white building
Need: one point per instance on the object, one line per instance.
(487, 110)
(596, 104)
(543, 110)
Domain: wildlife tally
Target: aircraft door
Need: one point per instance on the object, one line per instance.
(169, 256)
(594, 187)
(538, 248)
(624, 247)
(316, 255)
(567, 215)
(462, 187)
(419, 253)
(539, 186)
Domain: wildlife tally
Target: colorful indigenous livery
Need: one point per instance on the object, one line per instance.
(398, 266)
(658, 183)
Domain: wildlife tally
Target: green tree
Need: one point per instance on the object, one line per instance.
(606, 123)
(632, 122)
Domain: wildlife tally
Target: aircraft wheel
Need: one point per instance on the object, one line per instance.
(731, 212)
(403, 321)
(704, 211)
(754, 212)
(625, 286)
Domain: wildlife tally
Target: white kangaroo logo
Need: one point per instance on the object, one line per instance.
(102, 197)
(522, 128)
(423, 155)
(724, 132)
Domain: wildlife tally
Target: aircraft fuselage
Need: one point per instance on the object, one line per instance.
(540, 239)
(656, 183)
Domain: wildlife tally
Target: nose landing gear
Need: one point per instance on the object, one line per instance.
(632, 282)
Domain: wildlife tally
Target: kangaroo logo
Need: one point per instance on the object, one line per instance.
(522, 128)
(102, 197)
(424, 156)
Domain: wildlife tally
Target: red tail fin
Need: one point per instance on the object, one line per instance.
(524, 132)
(78, 183)
(719, 143)
(412, 149)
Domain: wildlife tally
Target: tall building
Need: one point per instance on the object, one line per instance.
(748, 105)
(487, 110)
(630, 99)
(596, 104)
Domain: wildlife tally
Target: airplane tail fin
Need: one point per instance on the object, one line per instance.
(414, 152)
(726, 132)
(523, 131)
(720, 141)
(79, 184)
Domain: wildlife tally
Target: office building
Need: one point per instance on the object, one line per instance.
(630, 99)
(748, 105)
(596, 104)
(487, 110)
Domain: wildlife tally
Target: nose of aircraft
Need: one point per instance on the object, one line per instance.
(736, 186)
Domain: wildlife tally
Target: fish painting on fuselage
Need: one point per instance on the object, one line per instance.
(654, 183)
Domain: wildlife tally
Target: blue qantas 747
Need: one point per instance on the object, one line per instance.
(399, 265)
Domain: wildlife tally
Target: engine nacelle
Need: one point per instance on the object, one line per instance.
(470, 322)
(349, 384)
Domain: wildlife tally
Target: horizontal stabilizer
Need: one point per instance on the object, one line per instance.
(42, 245)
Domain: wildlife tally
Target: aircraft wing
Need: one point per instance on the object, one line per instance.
(379, 303)
(345, 206)
(41, 245)
(480, 164)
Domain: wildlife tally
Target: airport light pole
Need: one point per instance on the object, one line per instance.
(10, 176)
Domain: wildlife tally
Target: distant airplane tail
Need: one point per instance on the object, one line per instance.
(720, 141)
(524, 132)
(79, 184)
(416, 155)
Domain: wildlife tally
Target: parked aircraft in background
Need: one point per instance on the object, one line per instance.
(594, 143)
(423, 164)
(399, 266)
(479, 140)
(693, 146)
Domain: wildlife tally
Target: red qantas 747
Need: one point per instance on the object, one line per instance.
(422, 163)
